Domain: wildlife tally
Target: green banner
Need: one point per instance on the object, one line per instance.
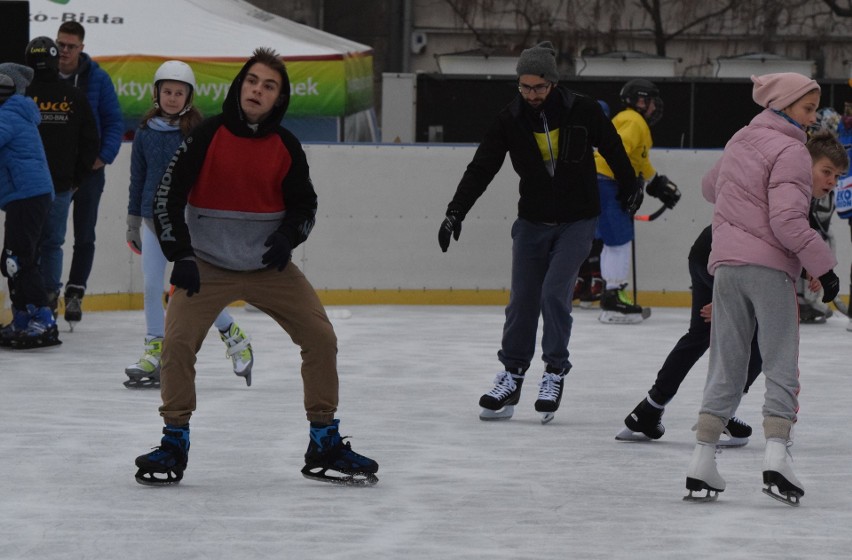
(323, 88)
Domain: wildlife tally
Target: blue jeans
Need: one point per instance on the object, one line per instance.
(86, 201)
(545, 263)
(615, 226)
(52, 239)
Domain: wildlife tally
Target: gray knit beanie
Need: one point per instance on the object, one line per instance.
(21, 75)
(539, 60)
(7, 87)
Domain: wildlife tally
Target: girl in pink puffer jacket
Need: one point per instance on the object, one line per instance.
(761, 188)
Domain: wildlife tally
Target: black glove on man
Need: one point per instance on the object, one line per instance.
(280, 250)
(662, 188)
(830, 286)
(185, 275)
(631, 202)
(450, 227)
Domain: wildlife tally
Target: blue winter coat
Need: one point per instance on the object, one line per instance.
(152, 151)
(23, 165)
(100, 92)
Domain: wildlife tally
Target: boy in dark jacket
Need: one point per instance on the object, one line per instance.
(233, 203)
(70, 137)
(549, 133)
(25, 195)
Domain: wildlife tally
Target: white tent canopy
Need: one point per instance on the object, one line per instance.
(130, 39)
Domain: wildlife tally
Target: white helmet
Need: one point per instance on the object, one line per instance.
(179, 72)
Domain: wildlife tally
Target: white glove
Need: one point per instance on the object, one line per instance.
(133, 235)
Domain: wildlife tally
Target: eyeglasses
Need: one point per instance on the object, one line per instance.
(538, 88)
(67, 46)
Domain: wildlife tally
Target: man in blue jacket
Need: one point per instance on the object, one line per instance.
(80, 70)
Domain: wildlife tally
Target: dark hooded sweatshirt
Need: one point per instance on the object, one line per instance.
(564, 189)
(229, 187)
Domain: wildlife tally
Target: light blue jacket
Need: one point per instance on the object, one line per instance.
(23, 165)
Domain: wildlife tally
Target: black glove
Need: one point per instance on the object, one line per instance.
(830, 286)
(451, 226)
(662, 188)
(185, 275)
(630, 202)
(280, 249)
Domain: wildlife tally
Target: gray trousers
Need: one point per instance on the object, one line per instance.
(545, 261)
(744, 296)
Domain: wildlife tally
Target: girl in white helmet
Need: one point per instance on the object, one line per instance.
(161, 132)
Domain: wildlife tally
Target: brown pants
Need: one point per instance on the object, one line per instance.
(287, 297)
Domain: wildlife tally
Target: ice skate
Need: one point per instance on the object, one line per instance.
(702, 474)
(168, 460)
(617, 308)
(643, 424)
(238, 349)
(736, 433)
(499, 403)
(41, 330)
(18, 324)
(778, 476)
(550, 393)
(145, 373)
(810, 314)
(592, 294)
(327, 452)
(73, 305)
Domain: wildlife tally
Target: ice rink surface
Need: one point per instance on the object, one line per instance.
(451, 486)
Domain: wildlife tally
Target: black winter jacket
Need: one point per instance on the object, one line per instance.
(571, 194)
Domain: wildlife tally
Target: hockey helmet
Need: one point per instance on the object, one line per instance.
(640, 88)
(177, 71)
(42, 55)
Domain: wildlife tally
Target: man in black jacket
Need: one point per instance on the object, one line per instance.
(70, 137)
(549, 133)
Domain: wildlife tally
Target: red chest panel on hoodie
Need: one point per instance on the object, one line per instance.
(242, 174)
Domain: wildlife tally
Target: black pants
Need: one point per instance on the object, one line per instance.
(695, 342)
(24, 220)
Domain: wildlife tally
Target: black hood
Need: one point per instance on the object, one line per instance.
(233, 114)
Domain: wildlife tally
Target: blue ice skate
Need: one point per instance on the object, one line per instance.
(327, 452)
(169, 459)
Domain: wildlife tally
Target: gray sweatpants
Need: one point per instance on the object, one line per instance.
(744, 296)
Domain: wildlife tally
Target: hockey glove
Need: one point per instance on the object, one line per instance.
(185, 275)
(133, 235)
(630, 203)
(450, 227)
(280, 250)
(662, 188)
(830, 286)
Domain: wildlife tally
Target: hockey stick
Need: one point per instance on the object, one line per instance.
(651, 217)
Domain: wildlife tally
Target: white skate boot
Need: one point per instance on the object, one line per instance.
(778, 473)
(703, 475)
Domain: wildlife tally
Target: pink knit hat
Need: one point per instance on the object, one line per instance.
(779, 91)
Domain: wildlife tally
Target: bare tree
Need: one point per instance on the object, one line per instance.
(693, 19)
(839, 10)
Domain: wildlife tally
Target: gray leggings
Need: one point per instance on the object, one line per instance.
(744, 296)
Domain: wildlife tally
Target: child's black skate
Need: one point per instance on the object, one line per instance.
(73, 305)
(327, 452)
(499, 403)
(169, 459)
(643, 424)
(736, 433)
(550, 393)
